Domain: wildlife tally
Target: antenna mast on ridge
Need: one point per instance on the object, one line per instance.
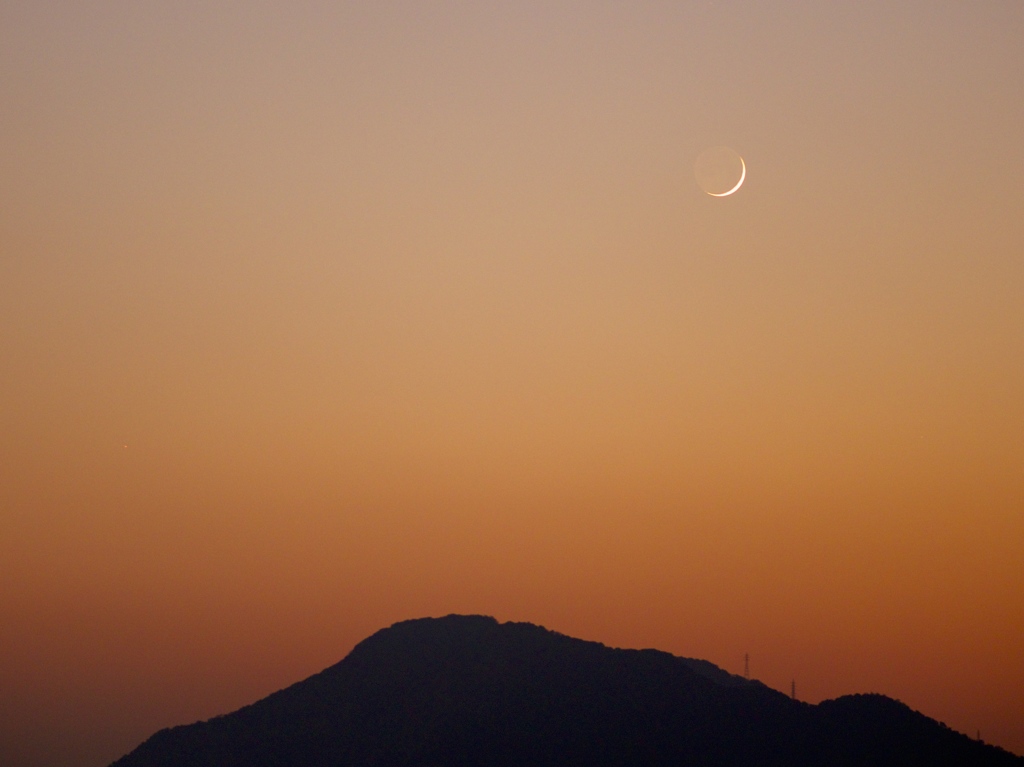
(746, 665)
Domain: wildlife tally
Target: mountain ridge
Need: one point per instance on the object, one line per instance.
(466, 690)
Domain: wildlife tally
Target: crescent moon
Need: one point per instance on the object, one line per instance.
(743, 176)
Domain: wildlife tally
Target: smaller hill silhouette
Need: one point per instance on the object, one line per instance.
(467, 690)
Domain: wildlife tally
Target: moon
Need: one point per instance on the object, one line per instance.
(720, 171)
(743, 176)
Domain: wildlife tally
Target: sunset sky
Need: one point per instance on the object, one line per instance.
(316, 316)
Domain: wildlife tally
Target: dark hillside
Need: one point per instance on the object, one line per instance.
(466, 690)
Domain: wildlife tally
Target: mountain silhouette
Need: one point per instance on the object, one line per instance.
(467, 690)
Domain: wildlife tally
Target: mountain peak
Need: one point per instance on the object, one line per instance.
(468, 690)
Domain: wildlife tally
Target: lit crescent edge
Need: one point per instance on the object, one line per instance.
(739, 183)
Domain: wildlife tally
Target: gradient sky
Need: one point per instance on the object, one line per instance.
(317, 316)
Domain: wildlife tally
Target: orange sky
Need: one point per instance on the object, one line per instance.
(319, 316)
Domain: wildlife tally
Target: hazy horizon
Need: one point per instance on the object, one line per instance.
(316, 316)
